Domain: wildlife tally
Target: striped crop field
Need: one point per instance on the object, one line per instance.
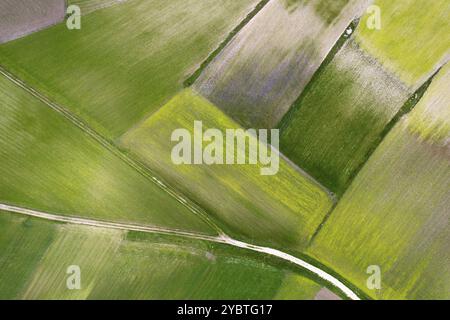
(422, 27)
(258, 76)
(224, 150)
(128, 265)
(21, 17)
(127, 60)
(239, 198)
(88, 6)
(42, 155)
(396, 212)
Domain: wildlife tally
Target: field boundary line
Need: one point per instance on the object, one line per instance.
(136, 165)
(407, 107)
(223, 239)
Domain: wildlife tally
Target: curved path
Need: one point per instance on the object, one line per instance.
(224, 239)
(145, 171)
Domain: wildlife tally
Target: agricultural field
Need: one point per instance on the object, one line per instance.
(128, 265)
(124, 151)
(21, 17)
(262, 71)
(242, 201)
(338, 120)
(49, 164)
(396, 212)
(422, 27)
(127, 60)
(342, 115)
(88, 6)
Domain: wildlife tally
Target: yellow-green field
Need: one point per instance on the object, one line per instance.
(338, 120)
(282, 210)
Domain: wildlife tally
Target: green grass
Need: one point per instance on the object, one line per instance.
(422, 27)
(395, 213)
(334, 125)
(117, 265)
(127, 60)
(282, 210)
(256, 78)
(46, 163)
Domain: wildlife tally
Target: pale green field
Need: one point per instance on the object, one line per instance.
(282, 210)
(414, 39)
(127, 60)
(262, 71)
(117, 265)
(396, 212)
(46, 163)
(330, 131)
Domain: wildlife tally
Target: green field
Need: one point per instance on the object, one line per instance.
(241, 200)
(120, 265)
(336, 123)
(396, 212)
(22, 17)
(423, 27)
(49, 164)
(86, 128)
(342, 115)
(127, 60)
(258, 76)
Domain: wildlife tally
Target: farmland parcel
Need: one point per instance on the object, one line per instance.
(281, 210)
(127, 60)
(49, 164)
(342, 115)
(258, 76)
(396, 212)
(21, 17)
(131, 265)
